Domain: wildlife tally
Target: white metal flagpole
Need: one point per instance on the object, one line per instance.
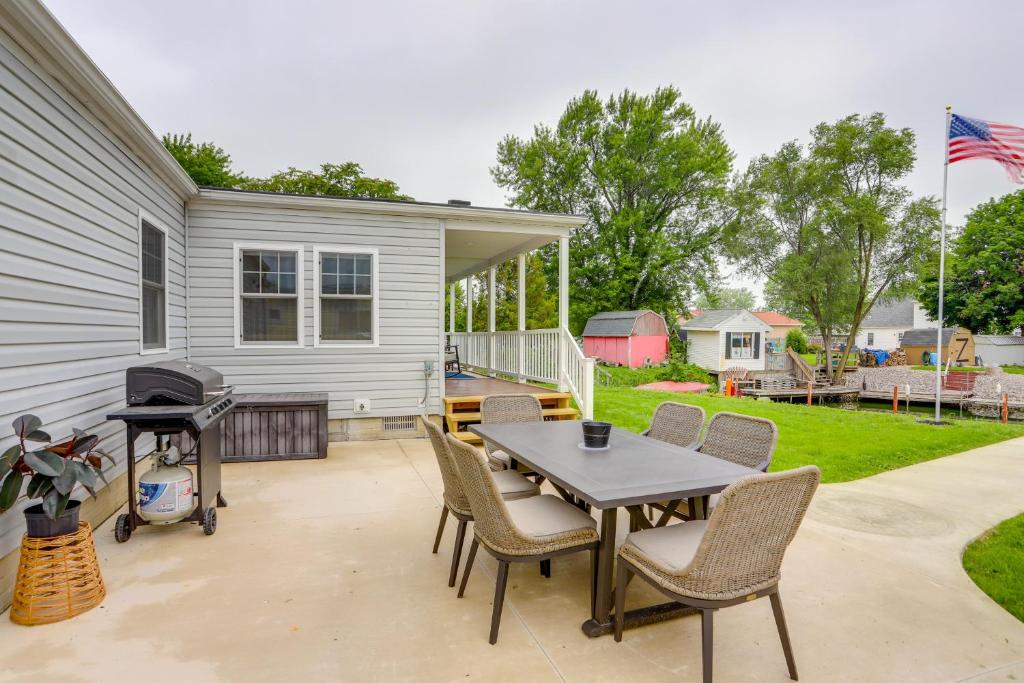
(942, 268)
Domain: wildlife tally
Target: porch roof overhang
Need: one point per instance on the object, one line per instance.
(472, 246)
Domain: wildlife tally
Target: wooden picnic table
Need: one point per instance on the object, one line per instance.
(635, 470)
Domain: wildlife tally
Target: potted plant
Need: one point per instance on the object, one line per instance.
(52, 472)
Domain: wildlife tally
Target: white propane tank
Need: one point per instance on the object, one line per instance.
(165, 492)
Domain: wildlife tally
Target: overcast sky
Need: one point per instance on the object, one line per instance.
(421, 92)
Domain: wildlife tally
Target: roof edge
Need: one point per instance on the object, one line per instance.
(45, 40)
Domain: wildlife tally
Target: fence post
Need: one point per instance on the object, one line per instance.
(810, 392)
(1006, 408)
(895, 398)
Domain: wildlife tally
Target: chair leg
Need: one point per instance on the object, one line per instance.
(707, 642)
(621, 582)
(469, 565)
(499, 599)
(440, 528)
(460, 536)
(780, 622)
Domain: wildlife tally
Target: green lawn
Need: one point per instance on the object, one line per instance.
(811, 358)
(845, 444)
(996, 563)
(931, 368)
(1014, 369)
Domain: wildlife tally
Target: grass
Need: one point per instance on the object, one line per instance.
(1014, 369)
(679, 372)
(845, 444)
(996, 562)
(931, 368)
(811, 358)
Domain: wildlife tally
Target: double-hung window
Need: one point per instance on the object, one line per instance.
(871, 338)
(152, 286)
(346, 301)
(742, 345)
(269, 305)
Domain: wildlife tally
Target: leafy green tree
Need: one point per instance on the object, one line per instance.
(333, 180)
(205, 162)
(984, 284)
(541, 300)
(649, 175)
(727, 297)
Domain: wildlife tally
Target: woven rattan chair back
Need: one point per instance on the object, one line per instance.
(504, 408)
(676, 423)
(748, 533)
(492, 523)
(742, 439)
(454, 495)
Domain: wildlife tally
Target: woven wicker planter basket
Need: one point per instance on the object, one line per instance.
(58, 578)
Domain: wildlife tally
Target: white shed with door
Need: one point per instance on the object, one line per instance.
(726, 338)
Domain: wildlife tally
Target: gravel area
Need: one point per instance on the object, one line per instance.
(923, 381)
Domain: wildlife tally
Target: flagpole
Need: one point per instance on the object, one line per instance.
(942, 268)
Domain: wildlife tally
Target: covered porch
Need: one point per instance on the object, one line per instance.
(505, 361)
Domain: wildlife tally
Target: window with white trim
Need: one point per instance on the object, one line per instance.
(153, 276)
(742, 345)
(269, 292)
(347, 297)
(871, 338)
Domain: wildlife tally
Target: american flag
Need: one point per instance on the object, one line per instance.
(977, 139)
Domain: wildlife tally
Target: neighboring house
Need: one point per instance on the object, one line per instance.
(885, 323)
(110, 257)
(630, 338)
(999, 349)
(725, 338)
(957, 345)
(781, 326)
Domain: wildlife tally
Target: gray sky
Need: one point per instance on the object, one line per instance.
(421, 92)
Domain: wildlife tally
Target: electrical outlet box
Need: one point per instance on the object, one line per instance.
(428, 367)
(360, 406)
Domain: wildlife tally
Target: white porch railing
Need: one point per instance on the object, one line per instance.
(550, 355)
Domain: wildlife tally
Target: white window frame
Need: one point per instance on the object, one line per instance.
(749, 349)
(145, 216)
(374, 253)
(300, 278)
(870, 339)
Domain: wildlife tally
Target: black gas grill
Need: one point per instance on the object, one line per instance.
(166, 399)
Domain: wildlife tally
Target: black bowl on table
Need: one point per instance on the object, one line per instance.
(595, 434)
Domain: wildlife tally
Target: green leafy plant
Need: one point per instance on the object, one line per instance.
(796, 340)
(52, 470)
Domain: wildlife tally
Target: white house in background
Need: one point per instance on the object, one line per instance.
(885, 324)
(999, 349)
(726, 338)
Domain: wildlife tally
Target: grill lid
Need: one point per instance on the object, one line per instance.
(172, 382)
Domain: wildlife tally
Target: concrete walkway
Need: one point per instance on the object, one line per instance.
(322, 571)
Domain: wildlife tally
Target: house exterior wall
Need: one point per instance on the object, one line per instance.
(996, 354)
(391, 374)
(609, 349)
(644, 348)
(702, 349)
(778, 332)
(70, 197)
(746, 322)
(887, 338)
(650, 324)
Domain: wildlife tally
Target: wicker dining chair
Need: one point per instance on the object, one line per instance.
(505, 408)
(676, 423)
(742, 439)
(511, 485)
(731, 558)
(526, 530)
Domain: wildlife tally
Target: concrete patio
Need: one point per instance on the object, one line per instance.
(322, 571)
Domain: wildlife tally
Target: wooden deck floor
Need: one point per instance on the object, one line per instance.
(463, 397)
(488, 386)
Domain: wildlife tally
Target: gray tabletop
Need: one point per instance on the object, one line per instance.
(634, 470)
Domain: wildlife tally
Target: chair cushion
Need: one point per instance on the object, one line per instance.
(514, 486)
(499, 460)
(670, 547)
(548, 515)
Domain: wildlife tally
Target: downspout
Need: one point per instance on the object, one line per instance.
(188, 293)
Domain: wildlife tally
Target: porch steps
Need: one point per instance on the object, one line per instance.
(462, 411)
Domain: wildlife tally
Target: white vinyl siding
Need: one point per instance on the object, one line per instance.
(742, 323)
(345, 305)
(407, 304)
(702, 349)
(268, 290)
(887, 338)
(70, 320)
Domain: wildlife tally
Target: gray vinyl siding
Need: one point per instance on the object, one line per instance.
(70, 196)
(391, 374)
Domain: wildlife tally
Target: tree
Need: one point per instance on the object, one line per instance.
(796, 340)
(205, 162)
(984, 285)
(335, 180)
(541, 300)
(727, 297)
(648, 174)
(834, 230)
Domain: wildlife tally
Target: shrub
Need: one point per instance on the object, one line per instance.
(797, 341)
(815, 348)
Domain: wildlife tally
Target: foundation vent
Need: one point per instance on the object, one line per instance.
(400, 423)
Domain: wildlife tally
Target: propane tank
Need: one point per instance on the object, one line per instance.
(165, 491)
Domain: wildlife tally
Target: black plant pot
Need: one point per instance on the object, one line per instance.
(595, 434)
(41, 526)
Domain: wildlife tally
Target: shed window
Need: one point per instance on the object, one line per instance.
(269, 296)
(742, 345)
(347, 305)
(871, 338)
(153, 271)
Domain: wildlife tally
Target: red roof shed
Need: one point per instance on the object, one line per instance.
(630, 338)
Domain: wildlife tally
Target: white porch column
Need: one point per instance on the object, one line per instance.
(469, 307)
(490, 322)
(521, 337)
(563, 309)
(451, 308)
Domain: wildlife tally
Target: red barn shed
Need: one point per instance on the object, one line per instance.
(630, 338)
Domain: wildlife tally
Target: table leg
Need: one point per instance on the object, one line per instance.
(600, 618)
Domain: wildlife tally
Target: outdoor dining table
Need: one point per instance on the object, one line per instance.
(633, 471)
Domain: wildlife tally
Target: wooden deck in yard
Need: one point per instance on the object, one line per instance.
(462, 399)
